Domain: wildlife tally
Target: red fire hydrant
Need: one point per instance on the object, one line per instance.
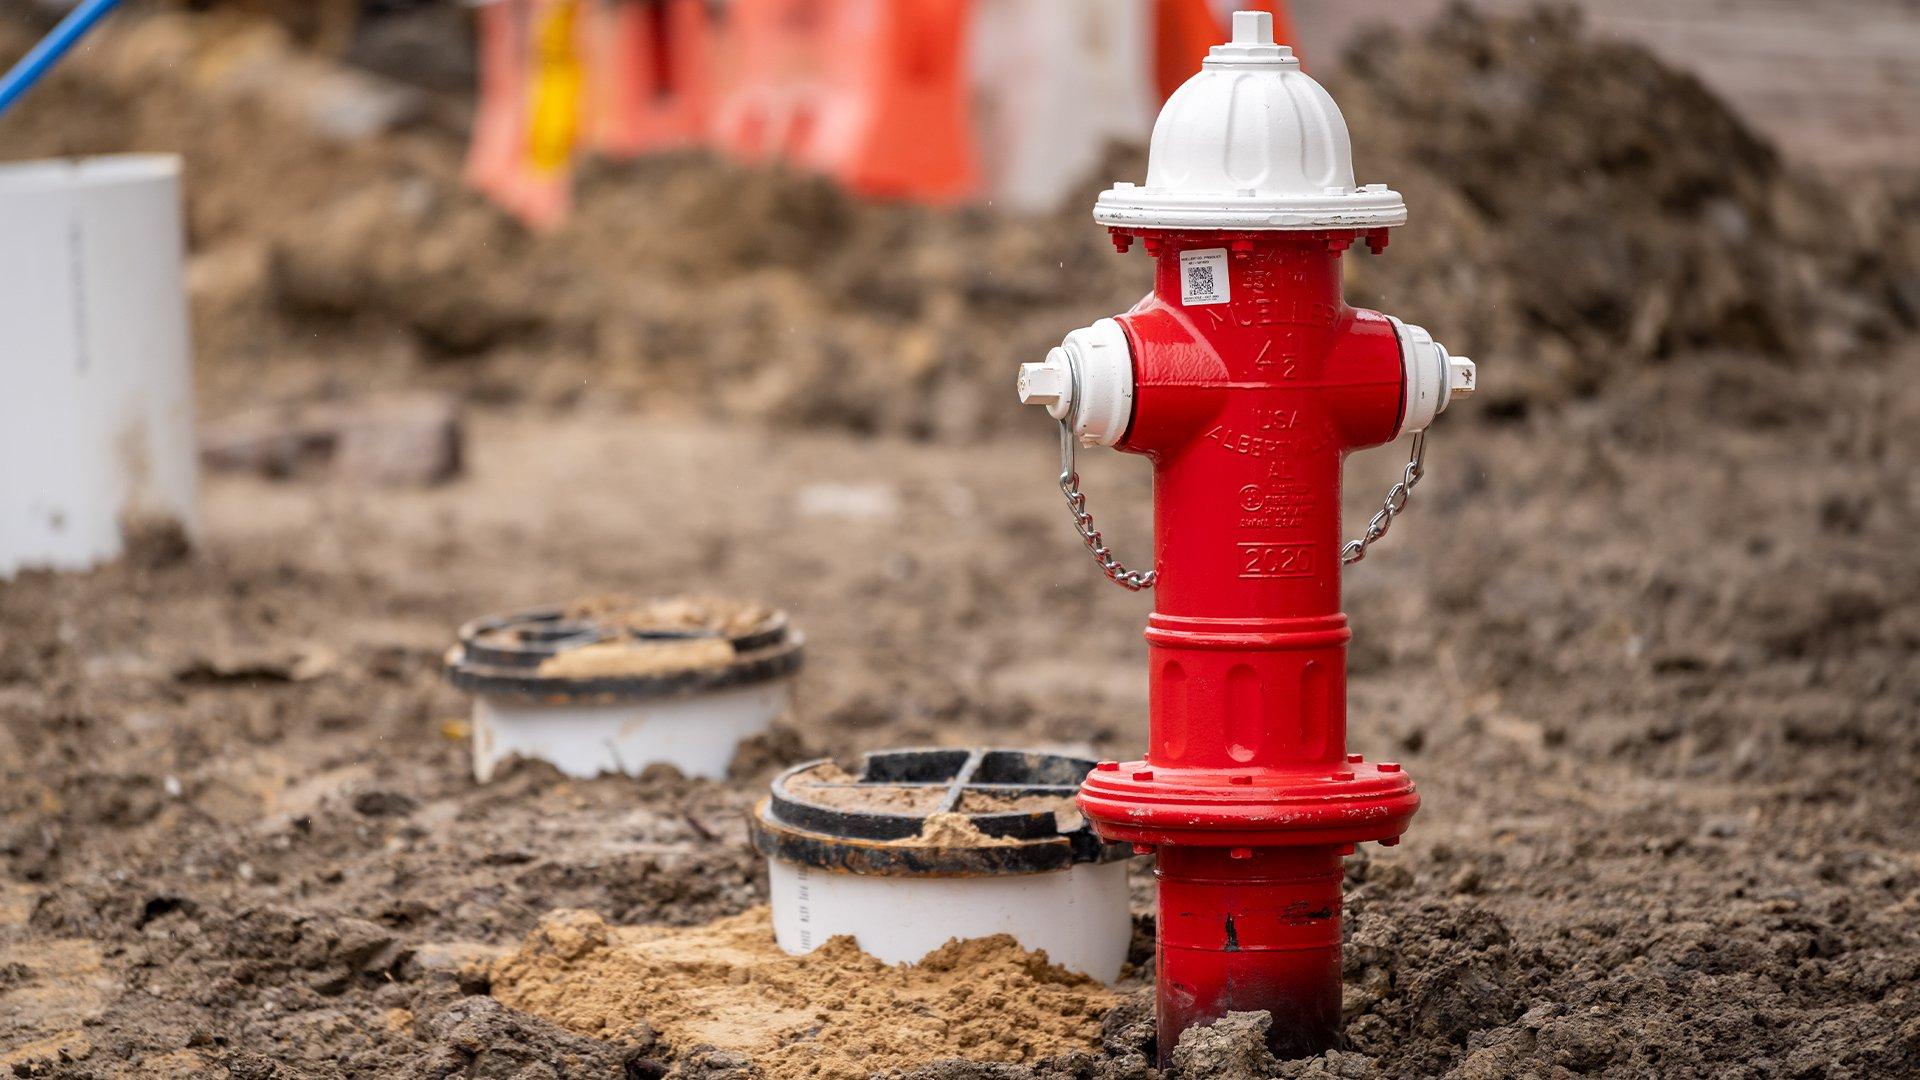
(1247, 380)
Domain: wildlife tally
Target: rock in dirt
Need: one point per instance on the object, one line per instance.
(1129, 1027)
(382, 803)
(411, 440)
(479, 1038)
(711, 1063)
(1233, 1047)
(264, 664)
(770, 751)
(463, 963)
(414, 441)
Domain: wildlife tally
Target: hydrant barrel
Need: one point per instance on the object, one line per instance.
(1248, 401)
(1247, 379)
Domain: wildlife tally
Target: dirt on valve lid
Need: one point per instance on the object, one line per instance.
(619, 648)
(932, 813)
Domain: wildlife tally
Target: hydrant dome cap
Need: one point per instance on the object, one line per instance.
(1250, 142)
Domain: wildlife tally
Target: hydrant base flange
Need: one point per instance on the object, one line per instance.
(1354, 802)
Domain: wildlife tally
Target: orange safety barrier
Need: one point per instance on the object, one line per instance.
(494, 154)
(871, 92)
(556, 95)
(652, 75)
(1185, 29)
(528, 117)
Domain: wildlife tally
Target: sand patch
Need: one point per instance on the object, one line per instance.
(637, 658)
(834, 1013)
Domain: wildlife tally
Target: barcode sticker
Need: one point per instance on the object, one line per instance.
(1203, 277)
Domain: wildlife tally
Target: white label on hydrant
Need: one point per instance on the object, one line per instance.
(1203, 277)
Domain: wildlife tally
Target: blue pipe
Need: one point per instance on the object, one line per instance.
(43, 56)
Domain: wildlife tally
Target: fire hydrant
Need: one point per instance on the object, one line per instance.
(1246, 379)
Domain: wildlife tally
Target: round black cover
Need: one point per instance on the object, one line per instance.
(500, 656)
(818, 815)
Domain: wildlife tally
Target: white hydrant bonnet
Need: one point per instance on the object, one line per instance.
(1251, 142)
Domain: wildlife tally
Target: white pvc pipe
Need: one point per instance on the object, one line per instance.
(697, 733)
(1078, 915)
(96, 391)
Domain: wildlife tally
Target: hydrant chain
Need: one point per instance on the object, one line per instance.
(1396, 501)
(1116, 571)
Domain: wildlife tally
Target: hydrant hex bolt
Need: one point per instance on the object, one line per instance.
(1247, 379)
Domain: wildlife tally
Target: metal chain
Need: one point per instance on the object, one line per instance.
(1135, 580)
(1132, 580)
(1396, 502)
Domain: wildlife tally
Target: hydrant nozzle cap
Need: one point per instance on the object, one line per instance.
(1250, 142)
(1048, 383)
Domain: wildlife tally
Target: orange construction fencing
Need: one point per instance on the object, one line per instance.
(873, 93)
(652, 74)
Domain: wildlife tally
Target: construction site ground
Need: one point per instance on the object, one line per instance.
(1648, 637)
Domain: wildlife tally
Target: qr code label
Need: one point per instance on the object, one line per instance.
(1203, 277)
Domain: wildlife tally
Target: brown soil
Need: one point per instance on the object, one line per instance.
(1649, 637)
(948, 829)
(873, 797)
(727, 618)
(1066, 816)
(835, 1013)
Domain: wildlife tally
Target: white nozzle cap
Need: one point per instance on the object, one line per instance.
(1048, 383)
(1250, 142)
(1433, 377)
(1086, 381)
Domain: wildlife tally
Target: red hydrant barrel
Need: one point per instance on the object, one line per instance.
(1247, 379)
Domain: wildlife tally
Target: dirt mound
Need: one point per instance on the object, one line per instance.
(1578, 209)
(833, 1013)
(1579, 206)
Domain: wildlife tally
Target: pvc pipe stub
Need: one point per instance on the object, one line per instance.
(920, 847)
(96, 418)
(543, 655)
(933, 813)
(615, 690)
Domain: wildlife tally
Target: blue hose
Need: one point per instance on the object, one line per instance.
(43, 56)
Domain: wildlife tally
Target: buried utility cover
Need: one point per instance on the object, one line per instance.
(611, 685)
(924, 846)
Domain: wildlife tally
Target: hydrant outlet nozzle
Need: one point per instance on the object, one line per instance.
(1433, 376)
(1085, 382)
